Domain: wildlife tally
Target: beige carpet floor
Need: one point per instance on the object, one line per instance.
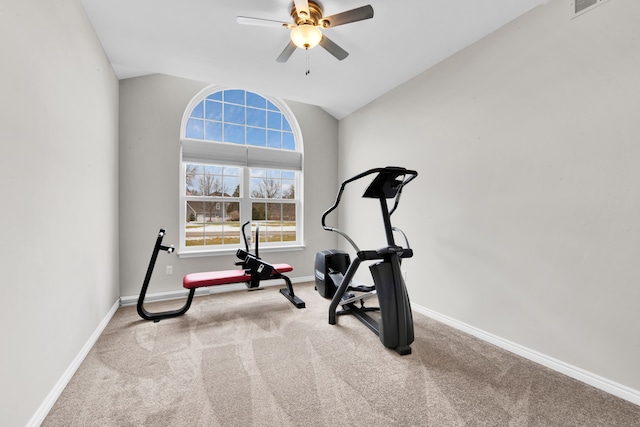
(253, 359)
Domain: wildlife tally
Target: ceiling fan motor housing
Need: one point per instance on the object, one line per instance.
(314, 18)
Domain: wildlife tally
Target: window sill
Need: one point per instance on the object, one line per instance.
(222, 252)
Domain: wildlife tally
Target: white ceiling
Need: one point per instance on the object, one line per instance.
(201, 40)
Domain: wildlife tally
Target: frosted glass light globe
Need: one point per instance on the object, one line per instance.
(306, 36)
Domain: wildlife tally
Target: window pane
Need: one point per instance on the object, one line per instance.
(191, 172)
(271, 106)
(213, 131)
(265, 188)
(285, 124)
(274, 120)
(273, 139)
(257, 118)
(256, 191)
(289, 223)
(230, 229)
(233, 114)
(194, 228)
(232, 186)
(288, 142)
(198, 110)
(274, 211)
(212, 185)
(216, 96)
(273, 231)
(258, 211)
(288, 189)
(234, 96)
(196, 188)
(273, 174)
(257, 137)
(256, 100)
(195, 129)
(234, 133)
(212, 169)
(255, 173)
(288, 213)
(213, 110)
(280, 222)
(213, 214)
(201, 223)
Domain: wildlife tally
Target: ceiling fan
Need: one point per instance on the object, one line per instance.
(306, 28)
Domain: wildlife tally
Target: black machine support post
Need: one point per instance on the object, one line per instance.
(156, 317)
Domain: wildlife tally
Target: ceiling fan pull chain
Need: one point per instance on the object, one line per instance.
(308, 70)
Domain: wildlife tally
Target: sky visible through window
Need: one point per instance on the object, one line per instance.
(240, 117)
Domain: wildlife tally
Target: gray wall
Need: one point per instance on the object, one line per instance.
(58, 180)
(151, 110)
(525, 216)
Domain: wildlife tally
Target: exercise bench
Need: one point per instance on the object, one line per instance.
(253, 271)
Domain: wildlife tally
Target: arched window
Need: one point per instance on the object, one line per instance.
(241, 158)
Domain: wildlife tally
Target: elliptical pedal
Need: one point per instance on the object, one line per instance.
(361, 288)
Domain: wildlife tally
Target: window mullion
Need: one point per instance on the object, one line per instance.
(246, 208)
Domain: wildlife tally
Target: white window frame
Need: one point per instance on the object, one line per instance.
(245, 157)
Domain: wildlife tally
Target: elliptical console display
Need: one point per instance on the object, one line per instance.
(334, 270)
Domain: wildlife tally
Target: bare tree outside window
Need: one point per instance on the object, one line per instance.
(267, 188)
(190, 175)
(289, 193)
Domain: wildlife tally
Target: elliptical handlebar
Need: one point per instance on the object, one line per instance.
(339, 196)
(385, 185)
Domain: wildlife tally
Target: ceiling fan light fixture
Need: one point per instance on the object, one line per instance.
(306, 36)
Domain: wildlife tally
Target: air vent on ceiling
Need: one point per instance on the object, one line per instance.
(578, 7)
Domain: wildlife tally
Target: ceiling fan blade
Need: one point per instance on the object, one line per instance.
(333, 48)
(353, 15)
(286, 53)
(245, 20)
(302, 8)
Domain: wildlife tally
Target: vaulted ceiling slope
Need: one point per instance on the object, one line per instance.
(201, 40)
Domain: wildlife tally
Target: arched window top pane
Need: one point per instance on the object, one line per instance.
(234, 96)
(255, 100)
(240, 117)
(198, 111)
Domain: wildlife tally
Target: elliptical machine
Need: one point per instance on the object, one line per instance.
(334, 270)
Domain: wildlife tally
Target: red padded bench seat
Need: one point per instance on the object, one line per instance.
(226, 277)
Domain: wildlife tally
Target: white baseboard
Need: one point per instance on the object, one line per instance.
(166, 296)
(55, 393)
(579, 374)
